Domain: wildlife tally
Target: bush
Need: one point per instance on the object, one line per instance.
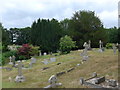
(6, 55)
(34, 51)
(66, 44)
(24, 52)
(109, 45)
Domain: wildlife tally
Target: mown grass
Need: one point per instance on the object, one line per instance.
(105, 64)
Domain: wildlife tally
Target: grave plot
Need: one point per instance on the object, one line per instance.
(99, 82)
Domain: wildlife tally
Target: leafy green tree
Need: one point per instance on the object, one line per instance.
(66, 44)
(84, 26)
(46, 34)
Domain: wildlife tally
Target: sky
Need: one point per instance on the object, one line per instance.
(22, 13)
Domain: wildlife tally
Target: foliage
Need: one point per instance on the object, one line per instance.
(24, 52)
(113, 35)
(19, 35)
(66, 44)
(46, 34)
(84, 26)
(6, 55)
(109, 45)
(34, 50)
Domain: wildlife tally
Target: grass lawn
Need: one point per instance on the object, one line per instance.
(105, 64)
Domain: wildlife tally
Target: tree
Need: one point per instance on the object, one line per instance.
(66, 44)
(46, 34)
(84, 26)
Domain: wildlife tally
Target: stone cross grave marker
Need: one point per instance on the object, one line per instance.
(53, 82)
(114, 48)
(10, 60)
(53, 59)
(19, 77)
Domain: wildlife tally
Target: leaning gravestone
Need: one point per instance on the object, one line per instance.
(10, 60)
(19, 77)
(53, 82)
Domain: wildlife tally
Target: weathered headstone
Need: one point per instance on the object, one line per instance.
(114, 48)
(33, 60)
(99, 80)
(40, 53)
(112, 83)
(10, 60)
(53, 59)
(94, 74)
(19, 77)
(100, 46)
(53, 82)
(45, 61)
(85, 56)
(89, 45)
(13, 60)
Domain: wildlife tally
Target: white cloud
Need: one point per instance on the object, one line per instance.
(21, 13)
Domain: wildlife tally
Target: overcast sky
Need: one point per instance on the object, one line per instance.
(21, 13)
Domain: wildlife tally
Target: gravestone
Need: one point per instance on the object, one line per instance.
(10, 60)
(99, 80)
(53, 59)
(100, 46)
(33, 60)
(13, 60)
(40, 53)
(85, 56)
(94, 74)
(114, 48)
(112, 83)
(53, 82)
(19, 77)
(89, 45)
(45, 61)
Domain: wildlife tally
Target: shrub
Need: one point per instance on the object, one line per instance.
(24, 52)
(6, 55)
(34, 51)
(66, 44)
(109, 46)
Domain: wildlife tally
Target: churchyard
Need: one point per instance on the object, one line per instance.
(68, 69)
